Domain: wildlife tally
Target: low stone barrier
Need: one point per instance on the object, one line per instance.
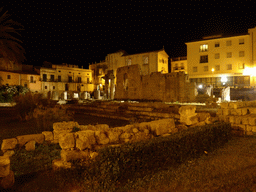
(82, 141)
(241, 116)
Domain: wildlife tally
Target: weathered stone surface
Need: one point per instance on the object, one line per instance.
(140, 136)
(114, 136)
(101, 138)
(48, 135)
(224, 105)
(9, 153)
(9, 144)
(125, 135)
(232, 119)
(65, 126)
(245, 120)
(68, 156)
(59, 164)
(102, 127)
(7, 181)
(226, 112)
(244, 111)
(189, 120)
(203, 116)
(93, 155)
(239, 120)
(67, 140)
(4, 166)
(85, 139)
(252, 110)
(162, 126)
(181, 127)
(30, 146)
(188, 110)
(23, 139)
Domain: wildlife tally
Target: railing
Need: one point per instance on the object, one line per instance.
(179, 58)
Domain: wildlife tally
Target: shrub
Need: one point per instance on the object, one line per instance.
(135, 160)
(7, 93)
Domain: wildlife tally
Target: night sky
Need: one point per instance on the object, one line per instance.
(85, 32)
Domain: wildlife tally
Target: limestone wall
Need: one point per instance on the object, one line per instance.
(241, 116)
(131, 84)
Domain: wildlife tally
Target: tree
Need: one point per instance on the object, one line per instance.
(10, 46)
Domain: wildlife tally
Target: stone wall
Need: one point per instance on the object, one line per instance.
(83, 141)
(156, 86)
(241, 116)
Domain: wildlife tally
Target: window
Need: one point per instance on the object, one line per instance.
(145, 60)
(31, 79)
(100, 71)
(217, 55)
(203, 48)
(204, 59)
(229, 66)
(88, 80)
(181, 66)
(129, 61)
(8, 76)
(44, 77)
(69, 79)
(240, 65)
(217, 67)
(194, 69)
(228, 43)
(45, 87)
(241, 41)
(59, 78)
(25, 85)
(205, 68)
(229, 54)
(241, 53)
(53, 87)
(52, 77)
(217, 44)
(79, 79)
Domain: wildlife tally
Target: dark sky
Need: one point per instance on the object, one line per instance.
(84, 32)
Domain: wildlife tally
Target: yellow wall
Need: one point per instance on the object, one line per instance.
(193, 56)
(179, 64)
(14, 78)
(35, 85)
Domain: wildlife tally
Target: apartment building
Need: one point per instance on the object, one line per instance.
(179, 64)
(66, 81)
(223, 60)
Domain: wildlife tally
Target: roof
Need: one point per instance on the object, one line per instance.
(218, 36)
(145, 52)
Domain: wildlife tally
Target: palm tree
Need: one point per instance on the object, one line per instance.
(11, 50)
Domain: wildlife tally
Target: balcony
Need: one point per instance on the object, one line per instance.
(179, 58)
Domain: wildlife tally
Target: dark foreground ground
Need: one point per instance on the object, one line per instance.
(229, 168)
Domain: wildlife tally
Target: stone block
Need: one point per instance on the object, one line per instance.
(244, 111)
(224, 105)
(9, 144)
(48, 135)
(23, 139)
(189, 120)
(9, 153)
(65, 126)
(203, 116)
(245, 120)
(8, 181)
(4, 166)
(235, 105)
(114, 136)
(249, 128)
(252, 120)
(253, 129)
(252, 110)
(239, 120)
(67, 140)
(93, 154)
(236, 112)
(188, 110)
(58, 164)
(102, 127)
(101, 138)
(67, 155)
(226, 112)
(219, 112)
(125, 136)
(232, 119)
(242, 127)
(140, 136)
(163, 126)
(85, 139)
(30, 146)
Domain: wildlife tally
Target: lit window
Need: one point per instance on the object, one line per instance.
(229, 66)
(229, 43)
(241, 41)
(240, 65)
(217, 44)
(205, 68)
(217, 55)
(194, 69)
(217, 67)
(229, 54)
(204, 59)
(241, 53)
(203, 48)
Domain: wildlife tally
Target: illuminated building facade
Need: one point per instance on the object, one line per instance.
(223, 60)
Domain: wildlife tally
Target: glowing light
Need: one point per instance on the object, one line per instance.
(224, 79)
(212, 69)
(250, 71)
(200, 86)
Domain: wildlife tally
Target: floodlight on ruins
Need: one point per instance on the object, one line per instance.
(224, 79)
(250, 71)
